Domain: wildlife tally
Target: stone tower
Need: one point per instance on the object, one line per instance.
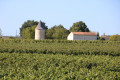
(39, 31)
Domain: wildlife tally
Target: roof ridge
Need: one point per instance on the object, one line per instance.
(84, 33)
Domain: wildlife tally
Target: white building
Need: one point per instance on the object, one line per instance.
(39, 31)
(82, 36)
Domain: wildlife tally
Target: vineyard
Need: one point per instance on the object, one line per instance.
(59, 60)
(58, 67)
(61, 47)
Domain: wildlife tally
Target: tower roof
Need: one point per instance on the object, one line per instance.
(40, 26)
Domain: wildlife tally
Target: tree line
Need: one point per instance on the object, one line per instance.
(27, 31)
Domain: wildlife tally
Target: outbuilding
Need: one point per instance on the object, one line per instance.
(82, 36)
(39, 31)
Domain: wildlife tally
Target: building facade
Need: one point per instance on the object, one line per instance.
(82, 36)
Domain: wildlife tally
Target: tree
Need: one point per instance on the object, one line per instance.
(79, 27)
(98, 37)
(49, 33)
(27, 31)
(28, 23)
(115, 38)
(0, 32)
(57, 32)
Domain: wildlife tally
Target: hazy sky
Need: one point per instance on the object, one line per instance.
(101, 16)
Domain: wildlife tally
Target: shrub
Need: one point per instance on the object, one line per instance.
(0, 37)
(10, 37)
(101, 38)
(115, 38)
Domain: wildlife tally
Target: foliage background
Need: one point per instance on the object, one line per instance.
(27, 31)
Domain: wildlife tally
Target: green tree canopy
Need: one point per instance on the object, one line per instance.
(115, 38)
(27, 30)
(28, 23)
(79, 27)
(57, 32)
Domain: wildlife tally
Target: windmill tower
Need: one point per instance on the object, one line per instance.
(39, 31)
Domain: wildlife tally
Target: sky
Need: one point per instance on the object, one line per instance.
(101, 16)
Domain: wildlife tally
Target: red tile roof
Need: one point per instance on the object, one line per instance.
(85, 33)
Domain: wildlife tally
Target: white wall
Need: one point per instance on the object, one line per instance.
(85, 37)
(70, 36)
(39, 34)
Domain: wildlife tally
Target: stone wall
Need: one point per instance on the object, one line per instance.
(39, 34)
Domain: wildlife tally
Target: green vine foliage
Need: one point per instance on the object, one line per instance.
(60, 47)
(17, 66)
(25, 59)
